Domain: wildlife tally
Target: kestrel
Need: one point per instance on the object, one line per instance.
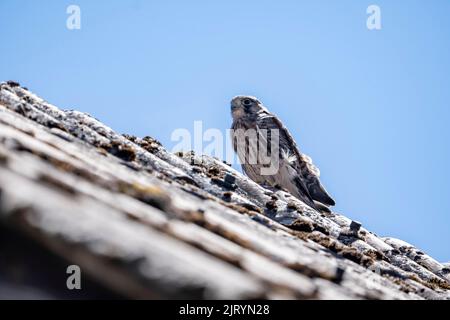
(263, 142)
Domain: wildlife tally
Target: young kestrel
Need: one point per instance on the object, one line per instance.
(258, 137)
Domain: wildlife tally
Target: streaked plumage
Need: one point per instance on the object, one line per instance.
(296, 173)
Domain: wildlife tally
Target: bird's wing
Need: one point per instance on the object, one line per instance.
(308, 173)
(286, 151)
(312, 175)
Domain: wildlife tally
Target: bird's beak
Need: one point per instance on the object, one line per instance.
(236, 111)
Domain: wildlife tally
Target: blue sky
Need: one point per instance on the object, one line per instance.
(370, 107)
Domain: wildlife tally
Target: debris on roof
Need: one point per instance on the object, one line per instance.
(141, 222)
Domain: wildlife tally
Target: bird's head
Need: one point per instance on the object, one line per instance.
(245, 107)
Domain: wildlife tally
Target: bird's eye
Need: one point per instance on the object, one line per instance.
(247, 102)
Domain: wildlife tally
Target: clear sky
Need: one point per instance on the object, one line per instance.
(370, 107)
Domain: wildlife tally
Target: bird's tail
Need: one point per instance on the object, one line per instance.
(321, 207)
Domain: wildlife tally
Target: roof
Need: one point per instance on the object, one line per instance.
(145, 223)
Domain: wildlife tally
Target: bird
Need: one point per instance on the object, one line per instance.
(254, 134)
